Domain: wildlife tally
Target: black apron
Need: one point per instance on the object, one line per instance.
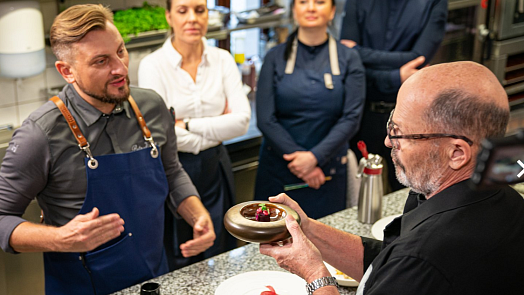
(212, 174)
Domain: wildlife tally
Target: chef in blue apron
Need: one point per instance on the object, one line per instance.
(309, 102)
(101, 160)
(134, 185)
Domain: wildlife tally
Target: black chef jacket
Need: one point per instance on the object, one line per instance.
(460, 241)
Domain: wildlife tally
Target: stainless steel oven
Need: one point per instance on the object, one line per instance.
(508, 19)
(459, 39)
(500, 45)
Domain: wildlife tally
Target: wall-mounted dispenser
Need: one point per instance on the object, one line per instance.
(22, 52)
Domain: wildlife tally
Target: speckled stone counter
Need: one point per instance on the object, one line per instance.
(205, 276)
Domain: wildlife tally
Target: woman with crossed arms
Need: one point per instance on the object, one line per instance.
(203, 87)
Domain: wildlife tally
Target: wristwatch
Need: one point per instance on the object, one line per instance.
(186, 121)
(319, 283)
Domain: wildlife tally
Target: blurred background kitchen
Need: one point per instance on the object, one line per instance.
(490, 32)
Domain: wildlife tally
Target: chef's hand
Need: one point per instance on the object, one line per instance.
(301, 163)
(286, 200)
(85, 232)
(348, 43)
(203, 237)
(316, 178)
(410, 68)
(300, 256)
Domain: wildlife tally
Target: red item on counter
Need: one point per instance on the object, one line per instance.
(272, 292)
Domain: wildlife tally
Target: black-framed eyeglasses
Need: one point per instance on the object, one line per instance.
(394, 136)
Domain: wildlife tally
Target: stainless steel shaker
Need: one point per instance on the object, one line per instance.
(371, 187)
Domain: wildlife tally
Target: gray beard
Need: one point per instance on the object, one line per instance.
(427, 178)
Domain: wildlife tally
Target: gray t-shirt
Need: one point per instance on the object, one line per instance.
(43, 159)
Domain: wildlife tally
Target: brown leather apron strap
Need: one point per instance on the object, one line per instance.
(82, 141)
(145, 131)
(139, 118)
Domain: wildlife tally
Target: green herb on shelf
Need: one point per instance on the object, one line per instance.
(140, 19)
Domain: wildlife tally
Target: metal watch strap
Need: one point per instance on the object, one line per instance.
(319, 283)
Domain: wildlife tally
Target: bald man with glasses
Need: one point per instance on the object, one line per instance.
(450, 239)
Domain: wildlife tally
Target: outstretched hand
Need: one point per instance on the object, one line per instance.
(86, 232)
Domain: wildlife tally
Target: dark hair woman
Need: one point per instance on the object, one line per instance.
(309, 103)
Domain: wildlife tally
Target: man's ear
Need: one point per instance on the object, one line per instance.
(64, 68)
(459, 154)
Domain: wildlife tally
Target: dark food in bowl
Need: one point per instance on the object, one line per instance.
(262, 214)
(257, 212)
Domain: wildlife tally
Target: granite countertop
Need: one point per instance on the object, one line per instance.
(205, 276)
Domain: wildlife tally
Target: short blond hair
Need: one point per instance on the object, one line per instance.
(74, 23)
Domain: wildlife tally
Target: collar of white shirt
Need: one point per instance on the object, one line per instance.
(175, 58)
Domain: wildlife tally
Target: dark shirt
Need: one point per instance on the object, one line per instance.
(43, 159)
(293, 118)
(459, 241)
(390, 33)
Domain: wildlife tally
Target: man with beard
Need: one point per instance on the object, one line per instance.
(450, 239)
(101, 160)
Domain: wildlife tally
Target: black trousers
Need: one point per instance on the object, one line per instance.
(211, 173)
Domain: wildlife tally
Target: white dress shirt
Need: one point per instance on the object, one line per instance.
(204, 101)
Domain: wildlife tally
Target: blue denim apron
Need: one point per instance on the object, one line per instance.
(134, 185)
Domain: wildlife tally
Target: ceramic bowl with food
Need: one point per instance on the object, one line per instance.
(241, 222)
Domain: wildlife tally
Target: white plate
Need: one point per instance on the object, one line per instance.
(377, 230)
(255, 282)
(340, 278)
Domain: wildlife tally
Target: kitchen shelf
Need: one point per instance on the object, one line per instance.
(284, 21)
(147, 39)
(157, 38)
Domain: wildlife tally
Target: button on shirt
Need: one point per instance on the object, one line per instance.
(203, 101)
(390, 33)
(43, 159)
